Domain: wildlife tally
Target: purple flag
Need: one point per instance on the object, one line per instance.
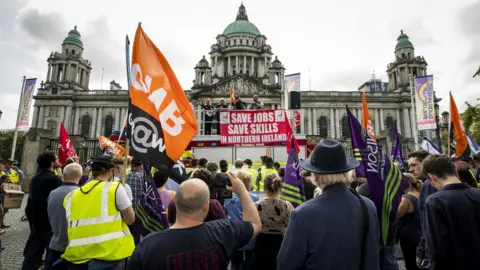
(292, 189)
(358, 144)
(150, 211)
(386, 182)
(397, 147)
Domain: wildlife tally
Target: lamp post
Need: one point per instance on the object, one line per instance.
(437, 131)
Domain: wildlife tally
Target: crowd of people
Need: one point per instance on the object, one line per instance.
(84, 218)
(211, 115)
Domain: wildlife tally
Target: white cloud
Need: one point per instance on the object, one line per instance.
(340, 42)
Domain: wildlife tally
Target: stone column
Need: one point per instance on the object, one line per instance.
(35, 115)
(75, 120)
(332, 124)
(94, 123)
(337, 122)
(252, 67)
(266, 65)
(40, 117)
(237, 68)
(216, 65)
(49, 72)
(309, 121)
(68, 116)
(244, 64)
(54, 73)
(382, 120)
(413, 122)
(117, 118)
(302, 121)
(397, 117)
(315, 128)
(406, 124)
(229, 68)
(62, 114)
(99, 121)
(377, 123)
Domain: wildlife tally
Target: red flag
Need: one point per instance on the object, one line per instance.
(297, 118)
(289, 137)
(65, 146)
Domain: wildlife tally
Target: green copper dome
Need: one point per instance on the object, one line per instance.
(73, 38)
(403, 42)
(241, 26)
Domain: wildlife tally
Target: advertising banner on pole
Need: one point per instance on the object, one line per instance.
(424, 103)
(242, 128)
(24, 117)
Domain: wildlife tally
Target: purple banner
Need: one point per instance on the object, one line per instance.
(397, 147)
(292, 189)
(25, 103)
(386, 182)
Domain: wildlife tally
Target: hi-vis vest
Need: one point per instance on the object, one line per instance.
(14, 177)
(95, 226)
(263, 173)
(254, 174)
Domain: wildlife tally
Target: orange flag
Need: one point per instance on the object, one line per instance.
(161, 120)
(117, 149)
(232, 95)
(457, 132)
(366, 120)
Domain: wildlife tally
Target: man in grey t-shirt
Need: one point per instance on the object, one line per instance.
(56, 213)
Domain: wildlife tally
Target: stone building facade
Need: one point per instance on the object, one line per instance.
(240, 59)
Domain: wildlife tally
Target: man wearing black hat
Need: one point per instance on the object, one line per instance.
(336, 230)
(98, 214)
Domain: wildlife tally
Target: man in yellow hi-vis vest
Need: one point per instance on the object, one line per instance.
(253, 172)
(97, 215)
(13, 171)
(269, 169)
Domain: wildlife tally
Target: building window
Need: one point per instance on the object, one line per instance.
(345, 127)
(85, 130)
(389, 122)
(108, 125)
(322, 125)
(53, 111)
(52, 125)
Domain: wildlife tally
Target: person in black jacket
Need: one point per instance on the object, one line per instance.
(36, 211)
(452, 217)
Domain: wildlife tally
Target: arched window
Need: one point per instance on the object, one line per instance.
(85, 130)
(108, 125)
(52, 125)
(345, 127)
(322, 125)
(389, 122)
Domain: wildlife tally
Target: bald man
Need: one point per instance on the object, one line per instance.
(193, 244)
(56, 213)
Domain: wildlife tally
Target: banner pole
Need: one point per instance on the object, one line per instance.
(15, 135)
(414, 112)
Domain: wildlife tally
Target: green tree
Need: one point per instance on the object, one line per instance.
(471, 122)
(6, 142)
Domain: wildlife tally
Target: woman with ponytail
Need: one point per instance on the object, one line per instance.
(275, 216)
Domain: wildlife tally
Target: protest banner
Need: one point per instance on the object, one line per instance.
(261, 127)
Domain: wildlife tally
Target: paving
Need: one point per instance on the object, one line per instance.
(14, 240)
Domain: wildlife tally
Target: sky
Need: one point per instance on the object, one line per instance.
(336, 45)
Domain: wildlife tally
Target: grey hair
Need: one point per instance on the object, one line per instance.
(191, 203)
(72, 171)
(331, 179)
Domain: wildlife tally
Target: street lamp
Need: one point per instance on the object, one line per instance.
(437, 131)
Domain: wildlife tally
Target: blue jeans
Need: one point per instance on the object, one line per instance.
(388, 258)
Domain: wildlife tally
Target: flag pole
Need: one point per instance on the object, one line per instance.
(127, 143)
(15, 135)
(414, 112)
(449, 121)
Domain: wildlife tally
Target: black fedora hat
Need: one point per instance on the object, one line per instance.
(329, 157)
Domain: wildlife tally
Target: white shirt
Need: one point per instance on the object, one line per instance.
(127, 189)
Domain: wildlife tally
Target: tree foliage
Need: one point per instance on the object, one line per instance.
(471, 122)
(6, 142)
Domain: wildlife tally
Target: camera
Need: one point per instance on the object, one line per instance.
(218, 187)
